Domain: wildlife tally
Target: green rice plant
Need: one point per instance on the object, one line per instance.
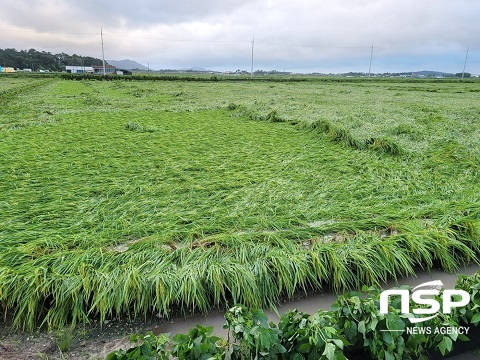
(406, 129)
(348, 263)
(341, 135)
(273, 116)
(240, 111)
(131, 126)
(384, 145)
(202, 278)
(210, 208)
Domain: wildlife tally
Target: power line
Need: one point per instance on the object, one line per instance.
(178, 40)
(312, 46)
(48, 32)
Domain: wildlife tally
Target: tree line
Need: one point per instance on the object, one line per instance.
(42, 60)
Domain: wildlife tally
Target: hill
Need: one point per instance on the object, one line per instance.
(431, 73)
(127, 64)
(195, 68)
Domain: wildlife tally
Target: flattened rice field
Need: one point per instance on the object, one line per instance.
(124, 198)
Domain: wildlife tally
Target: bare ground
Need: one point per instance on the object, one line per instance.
(86, 343)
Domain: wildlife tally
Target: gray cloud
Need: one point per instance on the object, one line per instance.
(53, 15)
(303, 34)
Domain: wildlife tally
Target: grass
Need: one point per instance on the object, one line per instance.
(123, 198)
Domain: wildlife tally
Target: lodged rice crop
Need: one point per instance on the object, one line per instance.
(123, 199)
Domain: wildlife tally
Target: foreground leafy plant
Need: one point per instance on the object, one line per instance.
(257, 339)
(311, 337)
(382, 334)
(469, 314)
(150, 347)
(199, 344)
(392, 336)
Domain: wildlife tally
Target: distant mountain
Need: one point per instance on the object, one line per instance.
(127, 64)
(194, 68)
(431, 73)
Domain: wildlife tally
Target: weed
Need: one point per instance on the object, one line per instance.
(64, 338)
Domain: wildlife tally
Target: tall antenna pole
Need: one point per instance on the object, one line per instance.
(465, 63)
(251, 70)
(103, 53)
(370, 67)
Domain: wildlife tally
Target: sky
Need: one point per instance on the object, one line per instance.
(333, 36)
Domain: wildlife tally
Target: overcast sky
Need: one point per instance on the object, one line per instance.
(296, 36)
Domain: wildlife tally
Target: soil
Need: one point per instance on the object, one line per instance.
(90, 342)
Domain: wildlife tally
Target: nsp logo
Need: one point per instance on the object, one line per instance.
(423, 295)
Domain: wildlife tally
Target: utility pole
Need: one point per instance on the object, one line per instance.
(370, 67)
(103, 53)
(251, 70)
(465, 63)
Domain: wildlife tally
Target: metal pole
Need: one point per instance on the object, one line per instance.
(370, 67)
(103, 53)
(251, 70)
(465, 63)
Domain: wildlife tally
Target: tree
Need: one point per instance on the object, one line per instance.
(42, 60)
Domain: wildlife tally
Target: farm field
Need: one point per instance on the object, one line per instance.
(125, 198)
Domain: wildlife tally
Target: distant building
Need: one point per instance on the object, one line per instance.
(95, 69)
(109, 69)
(123, 72)
(79, 69)
(8, 70)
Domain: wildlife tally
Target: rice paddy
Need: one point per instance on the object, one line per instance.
(121, 199)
